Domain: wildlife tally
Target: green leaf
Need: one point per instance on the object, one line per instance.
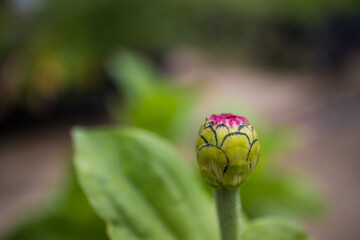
(134, 73)
(136, 182)
(274, 229)
(150, 100)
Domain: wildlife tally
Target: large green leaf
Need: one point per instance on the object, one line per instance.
(137, 184)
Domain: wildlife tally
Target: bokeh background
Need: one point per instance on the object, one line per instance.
(292, 67)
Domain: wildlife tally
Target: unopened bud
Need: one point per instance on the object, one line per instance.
(227, 150)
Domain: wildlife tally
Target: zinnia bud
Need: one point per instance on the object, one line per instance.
(227, 150)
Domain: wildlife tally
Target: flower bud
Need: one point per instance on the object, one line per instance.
(227, 150)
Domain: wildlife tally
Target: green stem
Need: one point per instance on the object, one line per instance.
(229, 212)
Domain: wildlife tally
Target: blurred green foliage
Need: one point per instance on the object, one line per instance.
(272, 228)
(276, 189)
(149, 99)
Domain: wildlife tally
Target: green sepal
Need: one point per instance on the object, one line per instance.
(236, 174)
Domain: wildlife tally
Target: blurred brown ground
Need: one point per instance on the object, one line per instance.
(327, 116)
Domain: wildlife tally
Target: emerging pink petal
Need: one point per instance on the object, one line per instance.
(228, 119)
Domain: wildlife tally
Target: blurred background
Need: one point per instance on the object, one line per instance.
(292, 67)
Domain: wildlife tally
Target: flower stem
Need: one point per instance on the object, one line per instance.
(229, 212)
